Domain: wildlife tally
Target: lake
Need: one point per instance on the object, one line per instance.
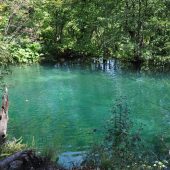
(66, 107)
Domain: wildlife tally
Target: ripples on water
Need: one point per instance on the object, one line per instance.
(66, 107)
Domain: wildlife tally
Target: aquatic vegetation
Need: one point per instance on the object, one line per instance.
(124, 147)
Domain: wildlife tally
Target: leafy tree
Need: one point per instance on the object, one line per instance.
(131, 30)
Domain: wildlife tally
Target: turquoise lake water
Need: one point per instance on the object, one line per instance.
(66, 108)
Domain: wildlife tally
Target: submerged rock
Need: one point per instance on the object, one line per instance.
(68, 160)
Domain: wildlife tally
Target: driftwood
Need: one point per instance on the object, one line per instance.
(27, 160)
(4, 115)
(5, 163)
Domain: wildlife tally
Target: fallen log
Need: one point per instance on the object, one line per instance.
(4, 164)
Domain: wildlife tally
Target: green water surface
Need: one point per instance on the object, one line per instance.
(66, 108)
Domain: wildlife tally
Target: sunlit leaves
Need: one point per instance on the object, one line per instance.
(126, 28)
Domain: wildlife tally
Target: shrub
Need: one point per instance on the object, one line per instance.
(123, 146)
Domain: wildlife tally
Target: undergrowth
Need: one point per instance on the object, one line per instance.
(125, 148)
(12, 146)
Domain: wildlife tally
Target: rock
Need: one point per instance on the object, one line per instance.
(16, 165)
(68, 160)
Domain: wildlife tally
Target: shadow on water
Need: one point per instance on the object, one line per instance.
(114, 64)
(98, 64)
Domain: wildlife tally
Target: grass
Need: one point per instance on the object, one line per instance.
(11, 147)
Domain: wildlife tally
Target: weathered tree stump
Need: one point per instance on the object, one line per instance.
(4, 115)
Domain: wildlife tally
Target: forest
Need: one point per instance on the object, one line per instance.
(85, 77)
(136, 31)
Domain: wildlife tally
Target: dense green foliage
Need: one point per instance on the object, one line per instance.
(135, 30)
(127, 29)
(18, 32)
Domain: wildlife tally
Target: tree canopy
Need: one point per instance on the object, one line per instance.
(126, 29)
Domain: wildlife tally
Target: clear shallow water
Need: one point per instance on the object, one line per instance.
(66, 108)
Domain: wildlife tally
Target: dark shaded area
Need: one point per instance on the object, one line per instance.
(27, 160)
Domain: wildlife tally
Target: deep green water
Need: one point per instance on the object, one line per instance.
(60, 107)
